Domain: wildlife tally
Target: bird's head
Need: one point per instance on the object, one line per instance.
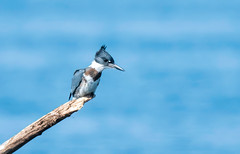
(104, 58)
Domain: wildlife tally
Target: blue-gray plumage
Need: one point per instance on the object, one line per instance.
(76, 80)
(85, 81)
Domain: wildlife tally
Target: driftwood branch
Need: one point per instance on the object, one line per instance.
(42, 124)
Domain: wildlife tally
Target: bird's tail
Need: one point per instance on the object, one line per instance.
(70, 96)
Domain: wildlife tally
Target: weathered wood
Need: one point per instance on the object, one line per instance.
(42, 124)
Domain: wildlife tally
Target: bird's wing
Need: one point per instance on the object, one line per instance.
(76, 80)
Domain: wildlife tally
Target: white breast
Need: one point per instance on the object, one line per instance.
(88, 86)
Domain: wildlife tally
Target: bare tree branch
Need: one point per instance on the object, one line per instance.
(42, 124)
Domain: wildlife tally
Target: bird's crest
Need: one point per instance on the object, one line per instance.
(102, 49)
(102, 56)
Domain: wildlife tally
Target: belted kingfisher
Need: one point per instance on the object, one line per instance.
(85, 81)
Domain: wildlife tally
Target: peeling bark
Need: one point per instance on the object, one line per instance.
(38, 127)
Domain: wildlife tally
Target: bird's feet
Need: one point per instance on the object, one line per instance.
(91, 95)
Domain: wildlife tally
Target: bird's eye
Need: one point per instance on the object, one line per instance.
(109, 61)
(105, 60)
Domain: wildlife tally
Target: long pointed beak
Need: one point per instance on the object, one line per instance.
(116, 66)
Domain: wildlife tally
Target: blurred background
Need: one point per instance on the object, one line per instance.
(180, 92)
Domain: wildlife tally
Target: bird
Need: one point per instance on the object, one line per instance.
(85, 81)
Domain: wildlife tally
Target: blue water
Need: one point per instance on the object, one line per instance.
(180, 92)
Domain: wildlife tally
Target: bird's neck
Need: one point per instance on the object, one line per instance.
(98, 67)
